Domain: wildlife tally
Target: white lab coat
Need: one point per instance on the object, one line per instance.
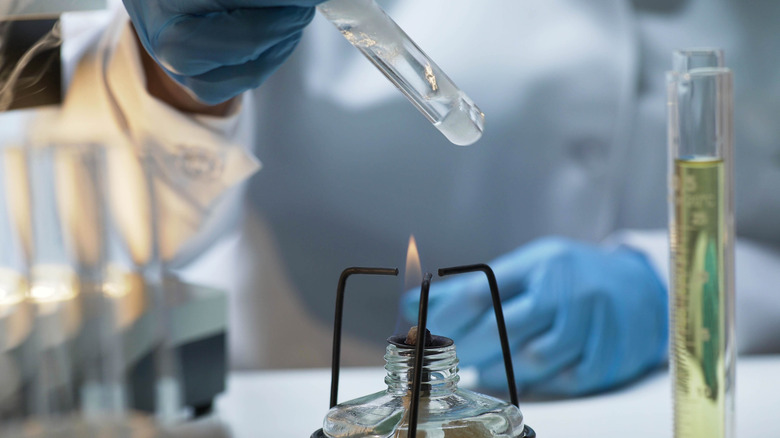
(198, 161)
(575, 145)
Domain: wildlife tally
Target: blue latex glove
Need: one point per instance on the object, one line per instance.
(580, 318)
(220, 48)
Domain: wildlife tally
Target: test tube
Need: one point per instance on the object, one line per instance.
(702, 350)
(53, 296)
(366, 26)
(88, 228)
(78, 387)
(14, 312)
(169, 388)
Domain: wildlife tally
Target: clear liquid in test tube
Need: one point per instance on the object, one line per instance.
(366, 26)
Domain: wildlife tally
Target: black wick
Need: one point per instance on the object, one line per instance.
(419, 351)
(422, 320)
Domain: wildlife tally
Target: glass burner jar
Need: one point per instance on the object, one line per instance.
(445, 411)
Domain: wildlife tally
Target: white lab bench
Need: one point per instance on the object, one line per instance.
(292, 403)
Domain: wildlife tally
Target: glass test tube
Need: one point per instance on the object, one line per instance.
(14, 311)
(78, 386)
(366, 26)
(702, 350)
(85, 219)
(52, 295)
(169, 387)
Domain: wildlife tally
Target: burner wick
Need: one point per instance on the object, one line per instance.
(411, 337)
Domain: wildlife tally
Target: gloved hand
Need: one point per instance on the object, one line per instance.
(580, 318)
(220, 48)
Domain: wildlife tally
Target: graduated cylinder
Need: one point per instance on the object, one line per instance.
(701, 232)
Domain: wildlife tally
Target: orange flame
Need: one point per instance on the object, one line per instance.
(413, 274)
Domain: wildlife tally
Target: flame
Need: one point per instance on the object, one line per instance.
(413, 275)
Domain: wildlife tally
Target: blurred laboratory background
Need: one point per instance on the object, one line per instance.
(153, 250)
(574, 145)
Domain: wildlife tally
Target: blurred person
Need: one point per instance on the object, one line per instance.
(115, 95)
(574, 146)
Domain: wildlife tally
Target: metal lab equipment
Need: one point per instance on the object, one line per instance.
(701, 222)
(423, 398)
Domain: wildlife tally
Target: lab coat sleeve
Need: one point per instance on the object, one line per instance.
(756, 285)
(202, 161)
(199, 161)
(196, 163)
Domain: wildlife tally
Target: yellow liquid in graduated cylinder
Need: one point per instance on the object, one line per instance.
(698, 354)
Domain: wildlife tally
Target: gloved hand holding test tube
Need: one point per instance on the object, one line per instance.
(219, 49)
(366, 26)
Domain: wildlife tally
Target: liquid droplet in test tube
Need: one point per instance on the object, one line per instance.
(463, 125)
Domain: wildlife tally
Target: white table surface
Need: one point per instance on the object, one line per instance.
(292, 404)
